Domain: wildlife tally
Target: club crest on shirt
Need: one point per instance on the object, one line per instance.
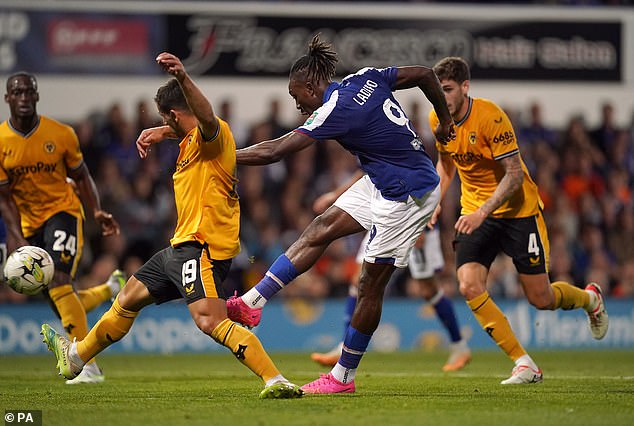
(472, 138)
(49, 147)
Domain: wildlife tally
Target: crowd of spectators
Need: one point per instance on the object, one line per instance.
(585, 177)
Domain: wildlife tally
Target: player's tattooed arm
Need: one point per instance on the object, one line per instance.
(509, 184)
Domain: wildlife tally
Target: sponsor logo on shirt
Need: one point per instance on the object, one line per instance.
(504, 138)
(310, 119)
(466, 158)
(39, 167)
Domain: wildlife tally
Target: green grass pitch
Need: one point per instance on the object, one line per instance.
(403, 388)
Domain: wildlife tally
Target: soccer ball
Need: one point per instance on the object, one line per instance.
(28, 270)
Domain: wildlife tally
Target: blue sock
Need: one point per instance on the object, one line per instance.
(351, 302)
(446, 315)
(281, 272)
(354, 345)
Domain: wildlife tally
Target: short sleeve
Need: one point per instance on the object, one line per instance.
(327, 122)
(503, 142)
(389, 75)
(72, 152)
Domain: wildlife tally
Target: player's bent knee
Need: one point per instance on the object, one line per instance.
(543, 303)
(471, 290)
(134, 296)
(207, 324)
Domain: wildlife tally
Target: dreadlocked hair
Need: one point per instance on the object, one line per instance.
(319, 63)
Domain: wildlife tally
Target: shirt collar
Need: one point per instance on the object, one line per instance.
(331, 88)
(467, 114)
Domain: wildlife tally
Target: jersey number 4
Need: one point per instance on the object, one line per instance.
(533, 247)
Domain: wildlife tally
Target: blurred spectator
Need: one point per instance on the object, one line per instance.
(561, 265)
(620, 238)
(239, 130)
(535, 130)
(579, 177)
(604, 135)
(625, 284)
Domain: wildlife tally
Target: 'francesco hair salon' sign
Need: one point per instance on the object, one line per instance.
(498, 50)
(236, 39)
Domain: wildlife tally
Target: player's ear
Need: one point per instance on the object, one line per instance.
(174, 116)
(310, 87)
(465, 86)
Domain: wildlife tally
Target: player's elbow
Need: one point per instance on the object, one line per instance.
(427, 77)
(274, 156)
(519, 179)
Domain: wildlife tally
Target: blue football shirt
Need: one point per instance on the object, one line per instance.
(364, 117)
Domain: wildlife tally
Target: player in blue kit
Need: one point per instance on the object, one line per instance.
(394, 200)
(425, 260)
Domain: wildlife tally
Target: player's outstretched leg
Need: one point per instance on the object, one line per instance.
(60, 346)
(248, 349)
(238, 311)
(247, 309)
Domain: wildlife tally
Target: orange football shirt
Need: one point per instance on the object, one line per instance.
(205, 192)
(484, 137)
(35, 165)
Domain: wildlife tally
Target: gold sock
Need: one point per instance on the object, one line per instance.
(568, 297)
(112, 326)
(496, 325)
(70, 310)
(94, 296)
(246, 347)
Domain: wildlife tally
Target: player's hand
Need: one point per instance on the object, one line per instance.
(324, 201)
(469, 223)
(151, 136)
(434, 217)
(445, 133)
(15, 242)
(109, 225)
(172, 65)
